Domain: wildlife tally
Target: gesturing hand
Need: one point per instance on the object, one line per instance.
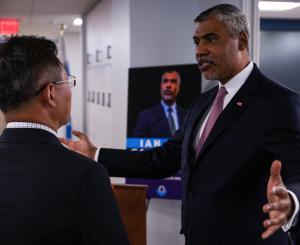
(82, 146)
(280, 204)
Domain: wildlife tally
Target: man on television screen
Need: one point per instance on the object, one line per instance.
(165, 118)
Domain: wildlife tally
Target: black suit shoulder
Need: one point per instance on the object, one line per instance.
(275, 87)
(60, 197)
(152, 113)
(277, 103)
(77, 160)
(97, 216)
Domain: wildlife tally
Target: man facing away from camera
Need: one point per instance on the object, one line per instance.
(238, 150)
(49, 194)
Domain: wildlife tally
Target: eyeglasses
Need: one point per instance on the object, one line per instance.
(71, 80)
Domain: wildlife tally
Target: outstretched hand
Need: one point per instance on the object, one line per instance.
(280, 204)
(82, 146)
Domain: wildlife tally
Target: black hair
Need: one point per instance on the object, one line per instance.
(26, 62)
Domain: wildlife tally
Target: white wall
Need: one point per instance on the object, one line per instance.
(121, 62)
(161, 32)
(73, 49)
(107, 25)
(74, 56)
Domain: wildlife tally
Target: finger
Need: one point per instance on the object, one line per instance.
(266, 208)
(282, 205)
(64, 141)
(275, 221)
(78, 134)
(270, 231)
(280, 191)
(275, 172)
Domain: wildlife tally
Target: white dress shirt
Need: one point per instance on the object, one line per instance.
(173, 113)
(232, 86)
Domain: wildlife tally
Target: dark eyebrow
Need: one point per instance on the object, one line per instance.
(171, 80)
(210, 34)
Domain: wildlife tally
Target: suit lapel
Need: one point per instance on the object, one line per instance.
(237, 104)
(161, 117)
(198, 111)
(181, 115)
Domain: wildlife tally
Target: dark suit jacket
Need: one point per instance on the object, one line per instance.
(153, 122)
(50, 195)
(296, 236)
(224, 190)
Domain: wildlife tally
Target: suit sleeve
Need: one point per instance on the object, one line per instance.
(156, 163)
(160, 162)
(99, 221)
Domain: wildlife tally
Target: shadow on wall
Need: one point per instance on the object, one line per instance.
(2, 122)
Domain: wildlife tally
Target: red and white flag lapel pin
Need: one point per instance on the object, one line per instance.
(239, 103)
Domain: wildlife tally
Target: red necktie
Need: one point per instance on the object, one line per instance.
(216, 109)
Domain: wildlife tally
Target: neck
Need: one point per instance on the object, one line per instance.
(169, 103)
(238, 69)
(34, 115)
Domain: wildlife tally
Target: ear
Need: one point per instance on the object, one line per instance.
(243, 41)
(49, 95)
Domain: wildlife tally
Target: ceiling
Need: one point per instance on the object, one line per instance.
(44, 17)
(289, 14)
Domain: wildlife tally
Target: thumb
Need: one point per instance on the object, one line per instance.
(275, 172)
(78, 134)
(64, 141)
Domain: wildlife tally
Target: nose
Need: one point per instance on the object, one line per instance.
(201, 49)
(168, 85)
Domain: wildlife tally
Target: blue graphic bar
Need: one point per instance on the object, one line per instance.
(144, 143)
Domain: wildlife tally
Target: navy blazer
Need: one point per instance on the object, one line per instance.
(224, 189)
(153, 122)
(50, 195)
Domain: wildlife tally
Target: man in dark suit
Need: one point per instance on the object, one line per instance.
(238, 150)
(166, 117)
(49, 194)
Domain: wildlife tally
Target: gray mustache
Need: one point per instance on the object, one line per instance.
(205, 60)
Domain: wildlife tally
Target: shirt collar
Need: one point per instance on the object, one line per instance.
(234, 84)
(165, 106)
(30, 125)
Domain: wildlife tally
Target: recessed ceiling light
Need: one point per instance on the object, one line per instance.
(277, 6)
(77, 22)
